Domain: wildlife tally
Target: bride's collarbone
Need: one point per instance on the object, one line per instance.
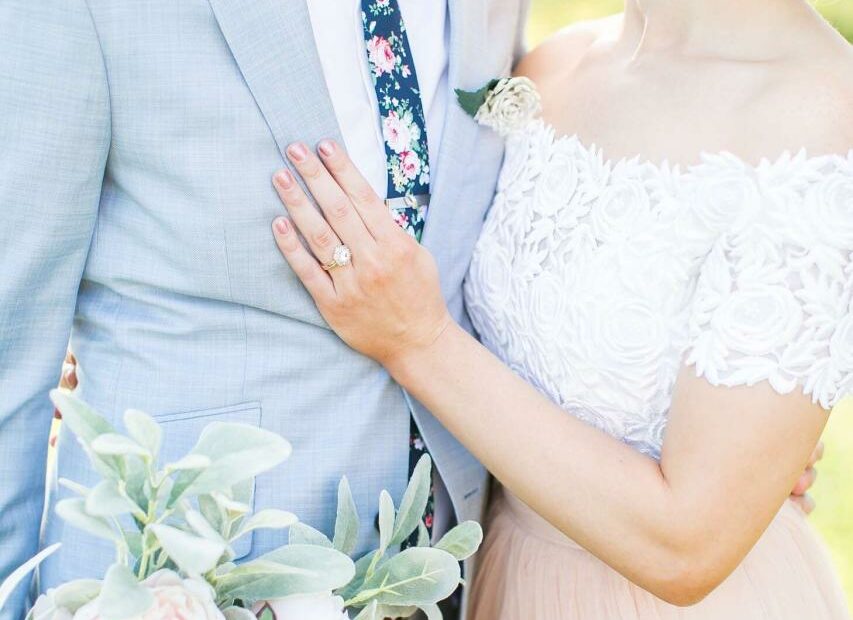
(753, 120)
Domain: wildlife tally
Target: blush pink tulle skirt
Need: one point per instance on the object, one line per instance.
(530, 571)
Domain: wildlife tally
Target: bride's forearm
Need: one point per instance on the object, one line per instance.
(608, 497)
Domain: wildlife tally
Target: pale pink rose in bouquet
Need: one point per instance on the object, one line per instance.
(396, 132)
(381, 55)
(304, 607)
(174, 599)
(410, 164)
(44, 609)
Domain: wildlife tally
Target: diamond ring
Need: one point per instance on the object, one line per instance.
(341, 257)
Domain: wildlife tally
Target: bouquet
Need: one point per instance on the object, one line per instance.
(173, 528)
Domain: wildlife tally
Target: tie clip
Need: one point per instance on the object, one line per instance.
(410, 201)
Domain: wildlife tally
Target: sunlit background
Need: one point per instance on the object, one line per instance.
(551, 15)
(834, 490)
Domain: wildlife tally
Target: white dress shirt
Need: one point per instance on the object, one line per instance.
(339, 36)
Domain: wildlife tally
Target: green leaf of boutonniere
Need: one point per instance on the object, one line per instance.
(472, 101)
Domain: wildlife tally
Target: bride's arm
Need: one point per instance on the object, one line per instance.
(664, 526)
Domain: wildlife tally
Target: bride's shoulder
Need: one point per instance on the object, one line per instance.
(814, 97)
(557, 56)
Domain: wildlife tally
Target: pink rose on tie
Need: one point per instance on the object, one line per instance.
(174, 598)
(410, 164)
(396, 132)
(381, 55)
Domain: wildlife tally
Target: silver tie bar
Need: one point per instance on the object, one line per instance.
(413, 202)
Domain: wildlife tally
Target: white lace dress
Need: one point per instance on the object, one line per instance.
(596, 280)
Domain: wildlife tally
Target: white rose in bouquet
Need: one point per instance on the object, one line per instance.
(303, 607)
(46, 609)
(188, 599)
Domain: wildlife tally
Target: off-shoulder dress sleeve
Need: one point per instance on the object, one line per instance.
(774, 298)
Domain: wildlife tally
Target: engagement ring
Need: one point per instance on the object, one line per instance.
(340, 258)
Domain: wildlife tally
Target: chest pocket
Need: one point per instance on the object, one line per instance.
(181, 432)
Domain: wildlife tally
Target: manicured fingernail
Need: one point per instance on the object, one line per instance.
(298, 151)
(284, 179)
(326, 148)
(282, 225)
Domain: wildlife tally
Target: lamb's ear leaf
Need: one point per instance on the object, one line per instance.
(432, 612)
(87, 425)
(19, 574)
(105, 500)
(346, 524)
(192, 554)
(371, 612)
(423, 535)
(417, 576)
(83, 421)
(269, 518)
(414, 502)
(122, 596)
(303, 534)
(386, 521)
(288, 570)
(354, 586)
(237, 453)
(462, 541)
(74, 512)
(144, 429)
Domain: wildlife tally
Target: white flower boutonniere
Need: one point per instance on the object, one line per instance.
(505, 105)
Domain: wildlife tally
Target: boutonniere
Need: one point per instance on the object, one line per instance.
(505, 105)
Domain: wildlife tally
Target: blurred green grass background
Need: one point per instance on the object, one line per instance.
(551, 15)
(834, 490)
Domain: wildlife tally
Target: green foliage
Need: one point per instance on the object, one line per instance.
(462, 541)
(346, 523)
(18, 575)
(289, 570)
(187, 514)
(472, 101)
(414, 501)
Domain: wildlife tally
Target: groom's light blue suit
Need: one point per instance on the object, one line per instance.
(137, 143)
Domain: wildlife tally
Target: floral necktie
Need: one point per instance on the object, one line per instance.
(406, 148)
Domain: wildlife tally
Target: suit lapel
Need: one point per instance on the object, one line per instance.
(273, 44)
(467, 34)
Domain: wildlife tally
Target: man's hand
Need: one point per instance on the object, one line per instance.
(68, 381)
(800, 494)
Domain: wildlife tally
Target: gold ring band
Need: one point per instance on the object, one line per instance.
(341, 257)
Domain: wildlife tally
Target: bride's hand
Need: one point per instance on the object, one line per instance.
(387, 302)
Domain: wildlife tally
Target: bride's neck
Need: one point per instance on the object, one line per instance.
(709, 27)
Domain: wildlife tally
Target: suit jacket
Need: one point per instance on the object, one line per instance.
(137, 143)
